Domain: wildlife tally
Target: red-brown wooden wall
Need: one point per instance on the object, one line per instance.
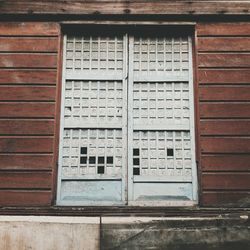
(29, 82)
(224, 103)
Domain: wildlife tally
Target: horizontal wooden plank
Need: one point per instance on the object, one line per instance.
(225, 145)
(35, 76)
(223, 44)
(223, 60)
(28, 61)
(224, 110)
(29, 28)
(224, 93)
(24, 44)
(26, 145)
(125, 7)
(26, 162)
(224, 127)
(30, 93)
(25, 180)
(232, 199)
(226, 181)
(27, 110)
(225, 162)
(25, 198)
(229, 76)
(26, 127)
(223, 29)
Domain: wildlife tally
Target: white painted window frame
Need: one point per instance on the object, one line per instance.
(127, 185)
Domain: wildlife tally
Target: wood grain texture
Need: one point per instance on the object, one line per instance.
(24, 44)
(27, 110)
(125, 7)
(230, 162)
(223, 44)
(25, 198)
(25, 180)
(34, 76)
(28, 86)
(222, 76)
(31, 93)
(26, 145)
(226, 181)
(225, 145)
(224, 110)
(28, 61)
(223, 60)
(225, 93)
(232, 199)
(28, 28)
(36, 153)
(26, 162)
(26, 127)
(225, 127)
(223, 29)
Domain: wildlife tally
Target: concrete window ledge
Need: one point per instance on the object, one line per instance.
(128, 233)
(49, 233)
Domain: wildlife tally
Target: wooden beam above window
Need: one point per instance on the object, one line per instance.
(120, 7)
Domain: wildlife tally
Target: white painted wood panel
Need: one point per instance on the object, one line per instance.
(162, 163)
(127, 129)
(93, 158)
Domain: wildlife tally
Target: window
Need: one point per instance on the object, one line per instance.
(127, 119)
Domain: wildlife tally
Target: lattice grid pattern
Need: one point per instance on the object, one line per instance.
(155, 152)
(95, 53)
(163, 102)
(93, 102)
(127, 89)
(161, 54)
(92, 152)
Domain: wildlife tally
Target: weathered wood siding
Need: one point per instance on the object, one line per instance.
(224, 103)
(28, 84)
(29, 59)
(132, 7)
